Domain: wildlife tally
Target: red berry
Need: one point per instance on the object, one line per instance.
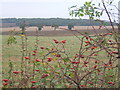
(49, 59)
(34, 81)
(111, 75)
(81, 56)
(86, 37)
(108, 68)
(5, 80)
(33, 54)
(110, 62)
(34, 51)
(42, 47)
(91, 39)
(82, 85)
(58, 55)
(75, 56)
(93, 48)
(5, 84)
(111, 83)
(87, 42)
(76, 62)
(37, 70)
(110, 40)
(26, 57)
(56, 41)
(96, 61)
(33, 87)
(44, 75)
(95, 66)
(16, 72)
(98, 70)
(73, 62)
(63, 41)
(85, 62)
(37, 60)
(106, 65)
(90, 83)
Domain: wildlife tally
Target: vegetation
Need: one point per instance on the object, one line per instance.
(49, 63)
(22, 26)
(40, 27)
(55, 26)
(91, 63)
(52, 21)
(70, 26)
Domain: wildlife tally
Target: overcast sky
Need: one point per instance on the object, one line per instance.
(40, 8)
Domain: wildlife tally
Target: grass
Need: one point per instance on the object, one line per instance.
(13, 52)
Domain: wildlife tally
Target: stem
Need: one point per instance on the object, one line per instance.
(108, 15)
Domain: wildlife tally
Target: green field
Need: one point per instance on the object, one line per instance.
(13, 52)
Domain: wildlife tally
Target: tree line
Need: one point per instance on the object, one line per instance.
(53, 21)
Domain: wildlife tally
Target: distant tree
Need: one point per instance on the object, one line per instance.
(40, 27)
(70, 26)
(22, 26)
(55, 26)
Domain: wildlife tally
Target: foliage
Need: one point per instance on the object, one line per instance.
(55, 26)
(40, 27)
(12, 39)
(52, 21)
(70, 26)
(88, 9)
(22, 26)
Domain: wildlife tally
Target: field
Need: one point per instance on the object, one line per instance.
(84, 73)
(61, 31)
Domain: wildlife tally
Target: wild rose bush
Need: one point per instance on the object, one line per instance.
(55, 68)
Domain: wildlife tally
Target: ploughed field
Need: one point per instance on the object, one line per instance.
(61, 31)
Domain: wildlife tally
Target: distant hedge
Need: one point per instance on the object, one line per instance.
(52, 21)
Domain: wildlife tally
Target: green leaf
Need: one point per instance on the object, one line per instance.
(81, 14)
(111, 2)
(73, 6)
(72, 75)
(65, 59)
(11, 40)
(95, 8)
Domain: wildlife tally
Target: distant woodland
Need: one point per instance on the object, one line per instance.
(13, 22)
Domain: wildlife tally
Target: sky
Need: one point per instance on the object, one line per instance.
(40, 8)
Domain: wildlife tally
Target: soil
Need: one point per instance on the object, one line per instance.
(61, 31)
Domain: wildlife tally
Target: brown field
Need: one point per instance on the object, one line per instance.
(61, 31)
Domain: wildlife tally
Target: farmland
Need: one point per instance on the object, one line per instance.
(61, 31)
